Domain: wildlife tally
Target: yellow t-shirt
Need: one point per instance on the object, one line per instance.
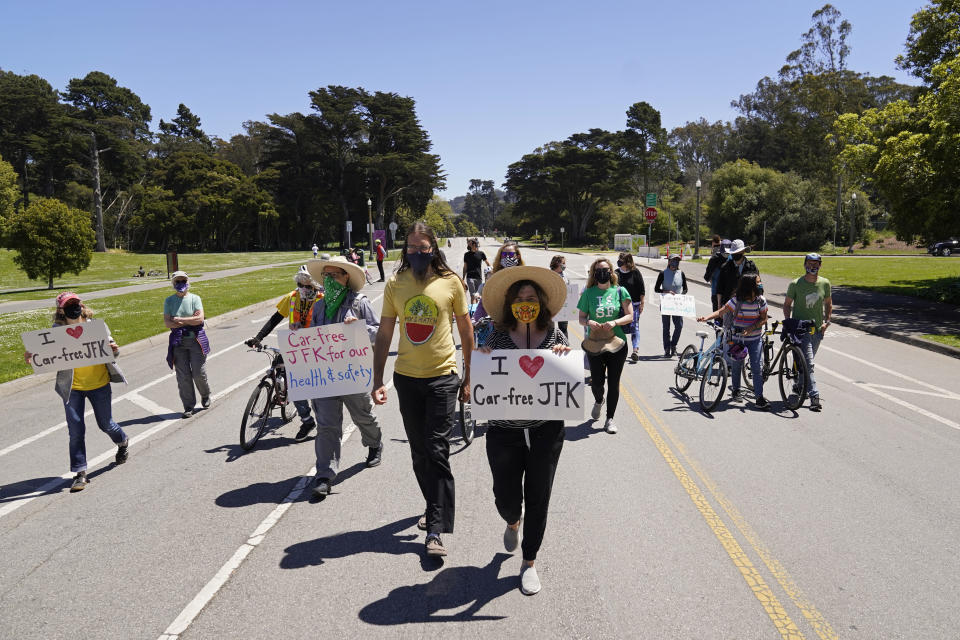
(426, 312)
(302, 309)
(90, 378)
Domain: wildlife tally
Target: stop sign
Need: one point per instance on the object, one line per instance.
(651, 213)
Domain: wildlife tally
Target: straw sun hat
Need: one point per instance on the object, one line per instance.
(495, 289)
(358, 275)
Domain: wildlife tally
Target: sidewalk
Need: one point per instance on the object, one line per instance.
(901, 318)
(29, 305)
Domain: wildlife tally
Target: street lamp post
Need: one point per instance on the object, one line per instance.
(370, 222)
(696, 247)
(853, 220)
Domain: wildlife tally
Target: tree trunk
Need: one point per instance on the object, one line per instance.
(50, 281)
(97, 197)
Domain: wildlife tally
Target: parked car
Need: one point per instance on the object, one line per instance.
(944, 247)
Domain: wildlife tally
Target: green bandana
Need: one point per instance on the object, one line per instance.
(333, 295)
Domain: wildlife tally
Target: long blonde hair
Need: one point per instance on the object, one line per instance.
(496, 261)
(592, 277)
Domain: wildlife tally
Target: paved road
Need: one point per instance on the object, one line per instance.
(738, 525)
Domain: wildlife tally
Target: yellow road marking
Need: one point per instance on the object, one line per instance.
(793, 591)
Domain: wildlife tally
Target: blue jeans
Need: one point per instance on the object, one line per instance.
(100, 401)
(677, 326)
(303, 410)
(635, 336)
(754, 348)
(810, 343)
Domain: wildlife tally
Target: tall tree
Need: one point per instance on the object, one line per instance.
(50, 239)
(934, 38)
(644, 145)
(183, 133)
(116, 120)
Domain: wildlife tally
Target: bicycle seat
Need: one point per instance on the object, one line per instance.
(702, 334)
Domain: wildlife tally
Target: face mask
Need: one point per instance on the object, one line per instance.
(508, 262)
(525, 312)
(419, 262)
(181, 286)
(813, 270)
(563, 268)
(759, 288)
(334, 293)
(307, 293)
(602, 275)
(73, 311)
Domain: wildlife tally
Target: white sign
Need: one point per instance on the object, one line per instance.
(569, 311)
(68, 347)
(527, 384)
(328, 360)
(621, 242)
(349, 225)
(562, 229)
(678, 305)
(393, 226)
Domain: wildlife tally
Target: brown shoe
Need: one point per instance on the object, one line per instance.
(435, 546)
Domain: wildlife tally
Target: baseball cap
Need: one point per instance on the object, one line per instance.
(66, 297)
(813, 256)
(179, 274)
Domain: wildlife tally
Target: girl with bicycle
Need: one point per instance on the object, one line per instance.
(523, 454)
(747, 311)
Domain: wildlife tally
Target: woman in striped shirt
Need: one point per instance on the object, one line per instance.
(523, 454)
(748, 310)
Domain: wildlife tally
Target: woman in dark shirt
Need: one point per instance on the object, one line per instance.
(632, 280)
(523, 454)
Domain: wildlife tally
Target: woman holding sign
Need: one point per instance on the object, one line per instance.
(632, 280)
(605, 307)
(342, 302)
(91, 383)
(671, 281)
(523, 454)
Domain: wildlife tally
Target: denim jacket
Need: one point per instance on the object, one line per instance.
(64, 381)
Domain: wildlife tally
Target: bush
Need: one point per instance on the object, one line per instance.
(50, 239)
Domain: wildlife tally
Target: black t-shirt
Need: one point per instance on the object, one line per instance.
(474, 261)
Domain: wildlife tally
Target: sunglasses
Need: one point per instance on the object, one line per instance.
(508, 254)
(420, 249)
(335, 274)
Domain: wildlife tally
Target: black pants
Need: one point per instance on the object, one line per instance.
(669, 342)
(609, 366)
(427, 406)
(380, 267)
(562, 328)
(523, 474)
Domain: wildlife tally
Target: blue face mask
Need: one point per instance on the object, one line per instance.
(181, 286)
(759, 288)
(419, 262)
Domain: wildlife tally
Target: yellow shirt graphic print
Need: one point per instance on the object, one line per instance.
(420, 314)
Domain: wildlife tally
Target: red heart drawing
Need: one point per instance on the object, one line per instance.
(530, 365)
(75, 331)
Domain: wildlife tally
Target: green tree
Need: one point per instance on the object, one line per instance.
(9, 192)
(701, 147)
(934, 38)
(439, 215)
(183, 133)
(465, 228)
(50, 239)
(644, 149)
(483, 203)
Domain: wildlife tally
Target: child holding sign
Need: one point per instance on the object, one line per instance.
(86, 383)
(523, 454)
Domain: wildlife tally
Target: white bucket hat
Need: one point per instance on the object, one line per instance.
(737, 246)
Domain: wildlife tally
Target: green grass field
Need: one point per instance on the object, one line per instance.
(923, 277)
(135, 316)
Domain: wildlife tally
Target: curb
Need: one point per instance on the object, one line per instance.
(29, 381)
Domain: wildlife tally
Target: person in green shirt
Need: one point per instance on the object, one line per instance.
(605, 307)
(809, 298)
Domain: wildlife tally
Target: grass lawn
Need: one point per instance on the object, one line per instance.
(135, 316)
(923, 277)
(108, 270)
(952, 340)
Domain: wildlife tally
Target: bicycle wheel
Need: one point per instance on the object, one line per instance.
(467, 423)
(793, 377)
(286, 407)
(256, 415)
(713, 384)
(686, 369)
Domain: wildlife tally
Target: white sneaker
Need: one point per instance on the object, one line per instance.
(595, 413)
(609, 427)
(529, 580)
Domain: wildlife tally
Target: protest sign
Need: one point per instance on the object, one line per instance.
(569, 311)
(678, 305)
(68, 346)
(527, 384)
(328, 360)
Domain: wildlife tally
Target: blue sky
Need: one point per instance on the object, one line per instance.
(492, 80)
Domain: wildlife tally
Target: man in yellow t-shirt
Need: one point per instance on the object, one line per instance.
(297, 308)
(425, 296)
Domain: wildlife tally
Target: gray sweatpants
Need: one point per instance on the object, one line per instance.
(329, 416)
(190, 363)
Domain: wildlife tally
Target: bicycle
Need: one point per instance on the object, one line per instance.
(269, 394)
(707, 365)
(789, 362)
(468, 425)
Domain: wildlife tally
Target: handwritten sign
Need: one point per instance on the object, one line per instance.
(68, 347)
(527, 384)
(678, 305)
(569, 311)
(325, 361)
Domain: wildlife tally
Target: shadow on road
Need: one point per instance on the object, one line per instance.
(258, 493)
(386, 539)
(450, 589)
(235, 451)
(161, 417)
(30, 488)
(583, 430)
